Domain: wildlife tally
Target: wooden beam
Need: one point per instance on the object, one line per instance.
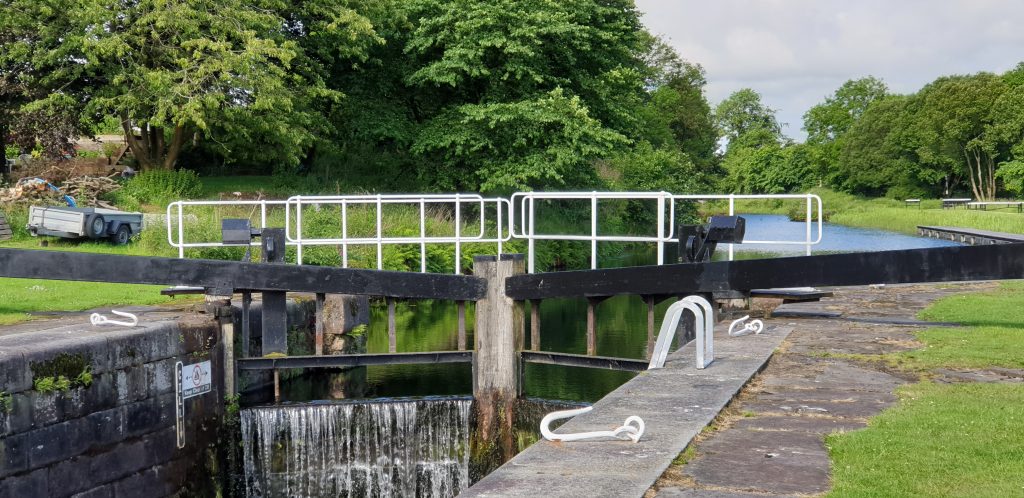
(944, 264)
(59, 265)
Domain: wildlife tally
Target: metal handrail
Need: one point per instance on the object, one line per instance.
(515, 218)
(704, 321)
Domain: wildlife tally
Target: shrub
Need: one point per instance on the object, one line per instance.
(159, 187)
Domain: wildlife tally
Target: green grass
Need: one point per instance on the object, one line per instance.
(947, 440)
(18, 297)
(993, 336)
(941, 440)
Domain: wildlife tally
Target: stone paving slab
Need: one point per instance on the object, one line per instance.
(676, 403)
(798, 462)
(703, 493)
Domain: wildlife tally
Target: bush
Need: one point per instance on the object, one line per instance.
(159, 187)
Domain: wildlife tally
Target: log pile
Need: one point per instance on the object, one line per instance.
(86, 190)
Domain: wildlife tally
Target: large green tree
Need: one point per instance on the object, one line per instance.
(745, 121)
(826, 124)
(506, 86)
(952, 124)
(173, 70)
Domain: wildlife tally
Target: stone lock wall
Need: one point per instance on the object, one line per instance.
(114, 437)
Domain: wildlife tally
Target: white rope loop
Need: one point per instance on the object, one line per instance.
(98, 319)
(631, 429)
(755, 326)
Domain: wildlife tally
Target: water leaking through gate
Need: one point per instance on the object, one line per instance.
(383, 448)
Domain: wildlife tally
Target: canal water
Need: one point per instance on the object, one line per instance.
(411, 440)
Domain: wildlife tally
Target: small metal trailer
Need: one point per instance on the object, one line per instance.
(93, 223)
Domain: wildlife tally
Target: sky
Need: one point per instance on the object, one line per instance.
(797, 52)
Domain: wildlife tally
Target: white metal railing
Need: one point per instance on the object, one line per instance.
(176, 223)
(664, 229)
(513, 218)
(295, 236)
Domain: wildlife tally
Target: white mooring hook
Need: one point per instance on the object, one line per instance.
(98, 319)
(632, 428)
(755, 326)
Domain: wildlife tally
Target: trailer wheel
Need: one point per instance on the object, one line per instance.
(96, 226)
(122, 235)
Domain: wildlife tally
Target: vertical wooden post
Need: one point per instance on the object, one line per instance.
(392, 335)
(246, 325)
(320, 297)
(499, 325)
(535, 324)
(649, 300)
(275, 323)
(499, 330)
(227, 331)
(461, 309)
(592, 326)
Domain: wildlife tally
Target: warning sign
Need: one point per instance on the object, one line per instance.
(195, 379)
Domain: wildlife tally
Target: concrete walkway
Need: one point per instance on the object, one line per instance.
(676, 403)
(770, 441)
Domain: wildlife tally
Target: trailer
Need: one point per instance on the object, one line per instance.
(76, 223)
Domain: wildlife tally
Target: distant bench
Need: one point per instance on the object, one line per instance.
(997, 204)
(792, 295)
(952, 203)
(911, 202)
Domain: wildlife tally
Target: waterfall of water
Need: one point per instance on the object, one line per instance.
(384, 448)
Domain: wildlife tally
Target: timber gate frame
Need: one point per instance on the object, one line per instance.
(224, 278)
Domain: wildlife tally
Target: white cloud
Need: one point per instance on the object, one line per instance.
(795, 52)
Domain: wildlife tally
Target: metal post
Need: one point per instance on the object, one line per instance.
(732, 212)
(593, 232)
(661, 230)
(344, 234)
(458, 235)
(380, 245)
(298, 229)
(181, 232)
(530, 242)
(808, 219)
(423, 235)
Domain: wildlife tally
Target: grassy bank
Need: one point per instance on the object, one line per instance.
(19, 297)
(962, 439)
(887, 214)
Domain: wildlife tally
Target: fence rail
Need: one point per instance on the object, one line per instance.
(500, 221)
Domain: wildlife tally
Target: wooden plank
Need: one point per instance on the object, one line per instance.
(585, 361)
(275, 323)
(60, 265)
(943, 264)
(355, 360)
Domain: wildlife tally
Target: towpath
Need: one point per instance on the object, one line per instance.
(770, 440)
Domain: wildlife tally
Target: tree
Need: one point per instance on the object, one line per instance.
(173, 70)
(951, 125)
(495, 78)
(517, 146)
(677, 111)
(742, 117)
(827, 123)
